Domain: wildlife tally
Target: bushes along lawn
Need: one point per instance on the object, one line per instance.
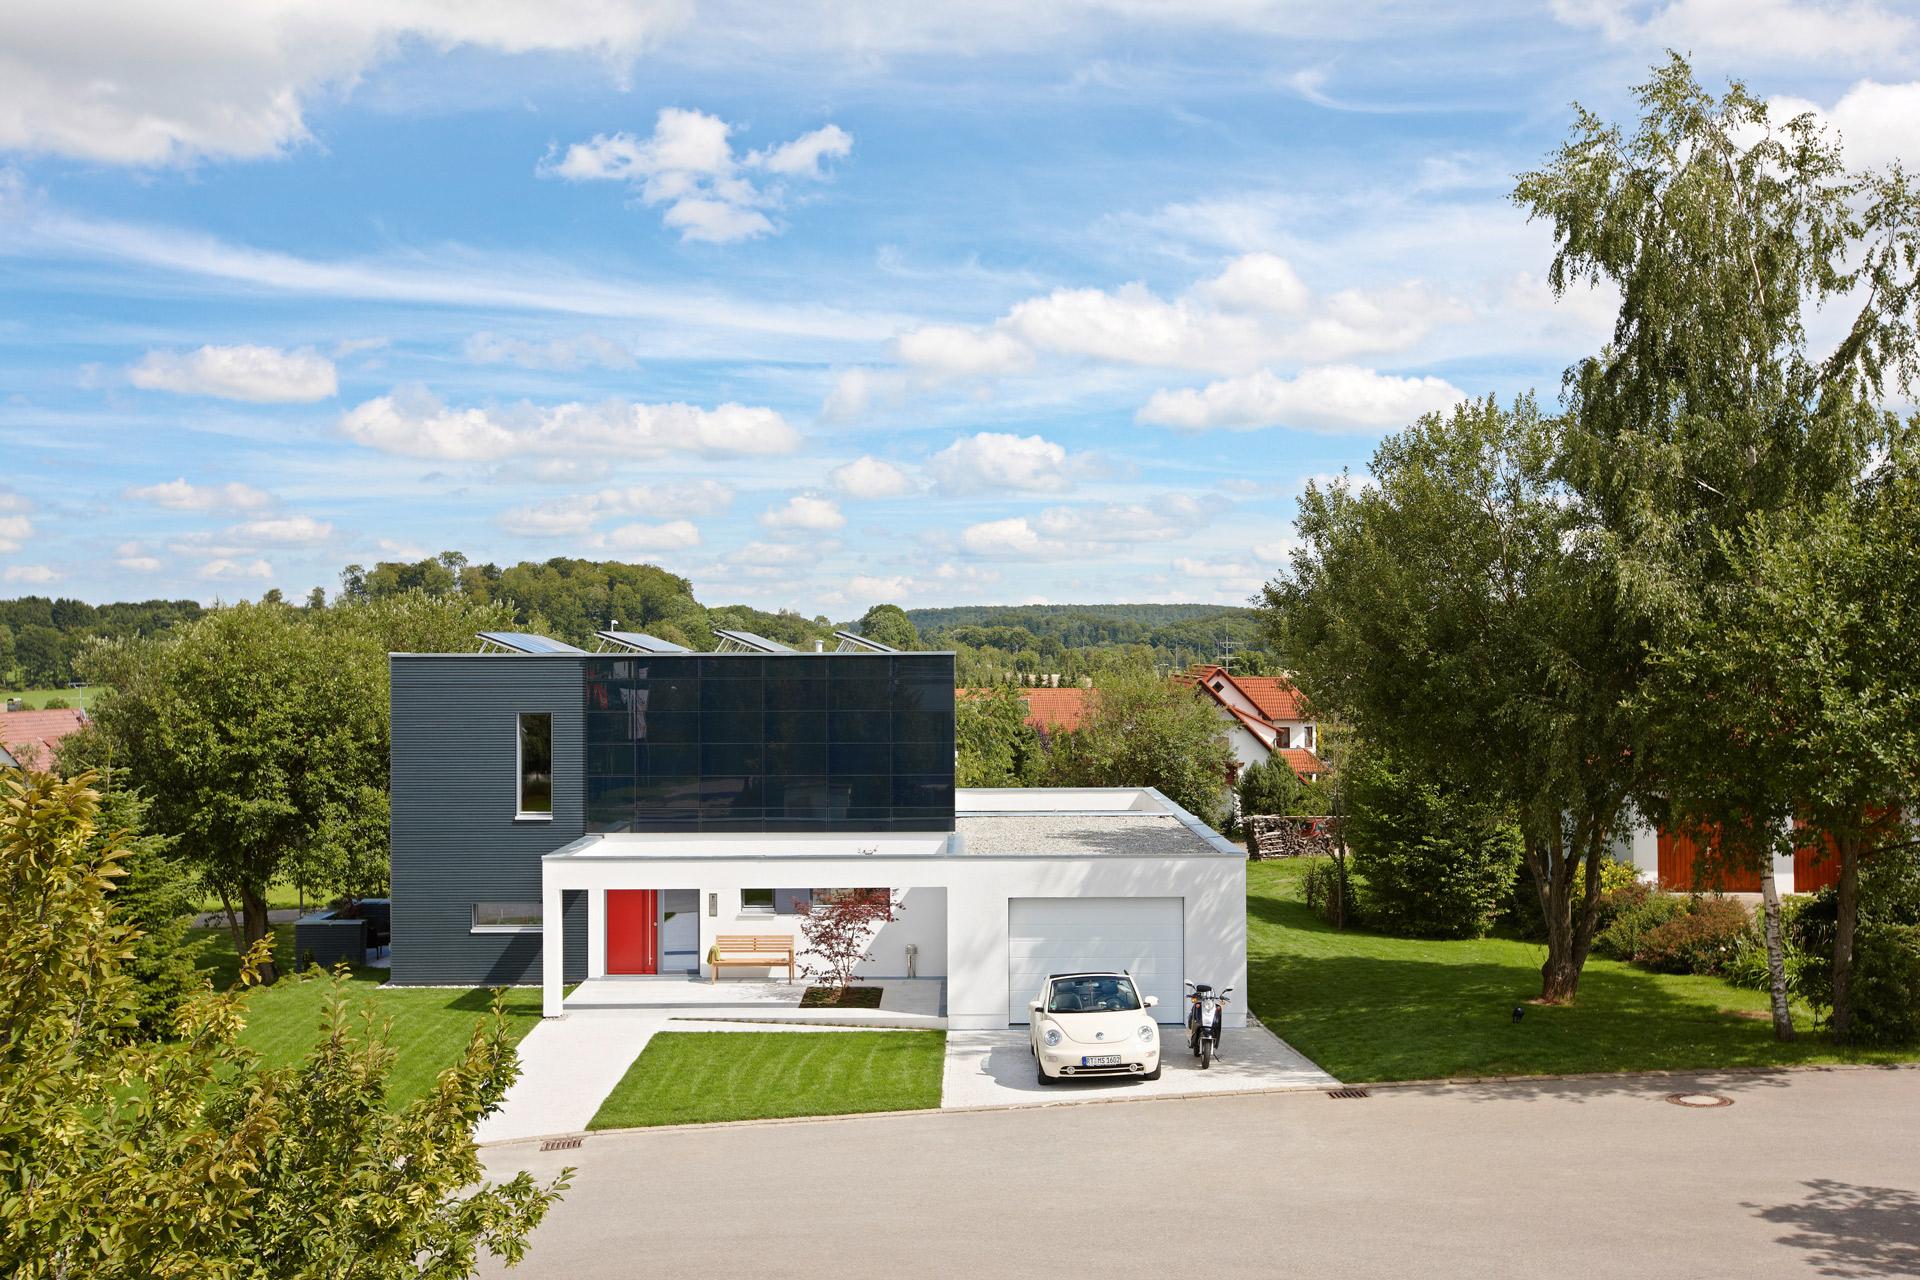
(701, 1077)
(1370, 1007)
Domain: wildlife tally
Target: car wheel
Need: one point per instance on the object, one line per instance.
(1152, 1075)
(1040, 1070)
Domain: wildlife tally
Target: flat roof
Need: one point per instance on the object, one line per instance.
(1010, 822)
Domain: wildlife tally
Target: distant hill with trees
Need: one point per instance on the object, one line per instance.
(1031, 643)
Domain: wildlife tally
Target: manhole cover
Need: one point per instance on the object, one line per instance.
(1699, 1100)
(560, 1144)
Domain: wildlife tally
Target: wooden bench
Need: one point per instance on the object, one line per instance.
(753, 951)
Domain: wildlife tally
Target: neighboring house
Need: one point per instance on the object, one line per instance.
(1671, 860)
(1265, 717)
(1053, 710)
(27, 738)
(559, 815)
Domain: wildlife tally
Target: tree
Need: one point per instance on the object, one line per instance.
(1801, 681)
(260, 734)
(6, 652)
(41, 655)
(1271, 786)
(1720, 227)
(888, 624)
(1457, 617)
(839, 927)
(212, 1165)
(994, 745)
(1144, 731)
(1434, 861)
(154, 897)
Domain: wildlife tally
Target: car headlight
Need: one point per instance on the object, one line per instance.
(1147, 1032)
(1051, 1035)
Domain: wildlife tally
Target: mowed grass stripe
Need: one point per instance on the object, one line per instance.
(703, 1077)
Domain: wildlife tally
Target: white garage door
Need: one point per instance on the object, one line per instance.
(1145, 936)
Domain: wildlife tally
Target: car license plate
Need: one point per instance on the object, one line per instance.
(1101, 1060)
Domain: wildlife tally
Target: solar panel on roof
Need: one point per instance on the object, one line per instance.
(524, 642)
(853, 642)
(735, 641)
(641, 642)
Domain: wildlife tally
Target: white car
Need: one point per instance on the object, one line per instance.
(1094, 1024)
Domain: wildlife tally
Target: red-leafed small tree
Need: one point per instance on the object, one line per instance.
(839, 928)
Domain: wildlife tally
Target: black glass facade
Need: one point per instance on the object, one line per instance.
(808, 742)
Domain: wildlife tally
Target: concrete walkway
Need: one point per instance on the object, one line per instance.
(569, 1065)
(995, 1069)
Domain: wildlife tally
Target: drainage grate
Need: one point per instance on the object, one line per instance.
(560, 1144)
(1348, 1093)
(1699, 1100)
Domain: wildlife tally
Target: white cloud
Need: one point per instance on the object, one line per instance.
(132, 82)
(991, 461)
(774, 555)
(178, 495)
(576, 514)
(1068, 533)
(412, 423)
(674, 535)
(953, 351)
(290, 530)
(869, 477)
(263, 375)
(31, 573)
(14, 531)
(1257, 282)
(1333, 398)
(805, 512)
(227, 568)
(577, 352)
(1783, 30)
(140, 564)
(1876, 122)
(688, 164)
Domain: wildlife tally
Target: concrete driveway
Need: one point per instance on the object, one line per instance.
(1806, 1174)
(995, 1069)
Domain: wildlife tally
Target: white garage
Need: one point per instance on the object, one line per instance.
(1145, 936)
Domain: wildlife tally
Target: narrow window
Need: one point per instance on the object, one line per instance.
(536, 764)
(1285, 735)
(506, 917)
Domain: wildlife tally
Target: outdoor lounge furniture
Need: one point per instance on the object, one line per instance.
(752, 951)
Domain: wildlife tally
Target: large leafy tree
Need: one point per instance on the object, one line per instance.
(889, 625)
(1720, 227)
(1141, 730)
(994, 745)
(129, 1160)
(1457, 616)
(259, 733)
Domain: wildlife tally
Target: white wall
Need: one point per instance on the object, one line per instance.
(972, 933)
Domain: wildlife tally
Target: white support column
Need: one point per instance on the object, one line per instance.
(553, 947)
(596, 933)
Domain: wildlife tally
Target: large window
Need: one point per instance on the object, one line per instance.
(808, 742)
(793, 902)
(506, 917)
(536, 764)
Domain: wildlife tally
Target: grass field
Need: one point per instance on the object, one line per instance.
(37, 698)
(1368, 1007)
(429, 1026)
(701, 1077)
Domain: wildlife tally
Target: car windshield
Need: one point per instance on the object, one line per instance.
(1099, 994)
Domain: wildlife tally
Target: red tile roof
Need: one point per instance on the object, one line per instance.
(1049, 709)
(29, 735)
(1274, 695)
(1304, 763)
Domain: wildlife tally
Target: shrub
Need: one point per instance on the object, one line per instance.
(1325, 889)
(1889, 899)
(1886, 984)
(1616, 878)
(1705, 938)
(1636, 912)
(1432, 862)
(1749, 968)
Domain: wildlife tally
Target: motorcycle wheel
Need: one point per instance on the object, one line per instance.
(1206, 1054)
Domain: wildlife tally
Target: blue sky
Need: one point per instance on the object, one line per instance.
(818, 304)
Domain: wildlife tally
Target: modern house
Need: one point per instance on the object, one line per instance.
(1676, 860)
(561, 815)
(1265, 715)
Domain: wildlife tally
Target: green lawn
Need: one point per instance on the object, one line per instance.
(37, 698)
(701, 1077)
(429, 1026)
(1368, 1007)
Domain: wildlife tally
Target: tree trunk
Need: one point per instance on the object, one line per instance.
(1560, 975)
(1776, 952)
(1848, 903)
(253, 906)
(233, 922)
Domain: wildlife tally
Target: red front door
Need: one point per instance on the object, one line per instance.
(633, 931)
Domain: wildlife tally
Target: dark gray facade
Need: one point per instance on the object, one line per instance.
(455, 838)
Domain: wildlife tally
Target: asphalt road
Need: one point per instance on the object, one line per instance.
(1806, 1174)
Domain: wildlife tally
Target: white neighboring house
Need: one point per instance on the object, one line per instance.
(1265, 717)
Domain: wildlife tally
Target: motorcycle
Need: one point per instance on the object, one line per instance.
(1206, 1016)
